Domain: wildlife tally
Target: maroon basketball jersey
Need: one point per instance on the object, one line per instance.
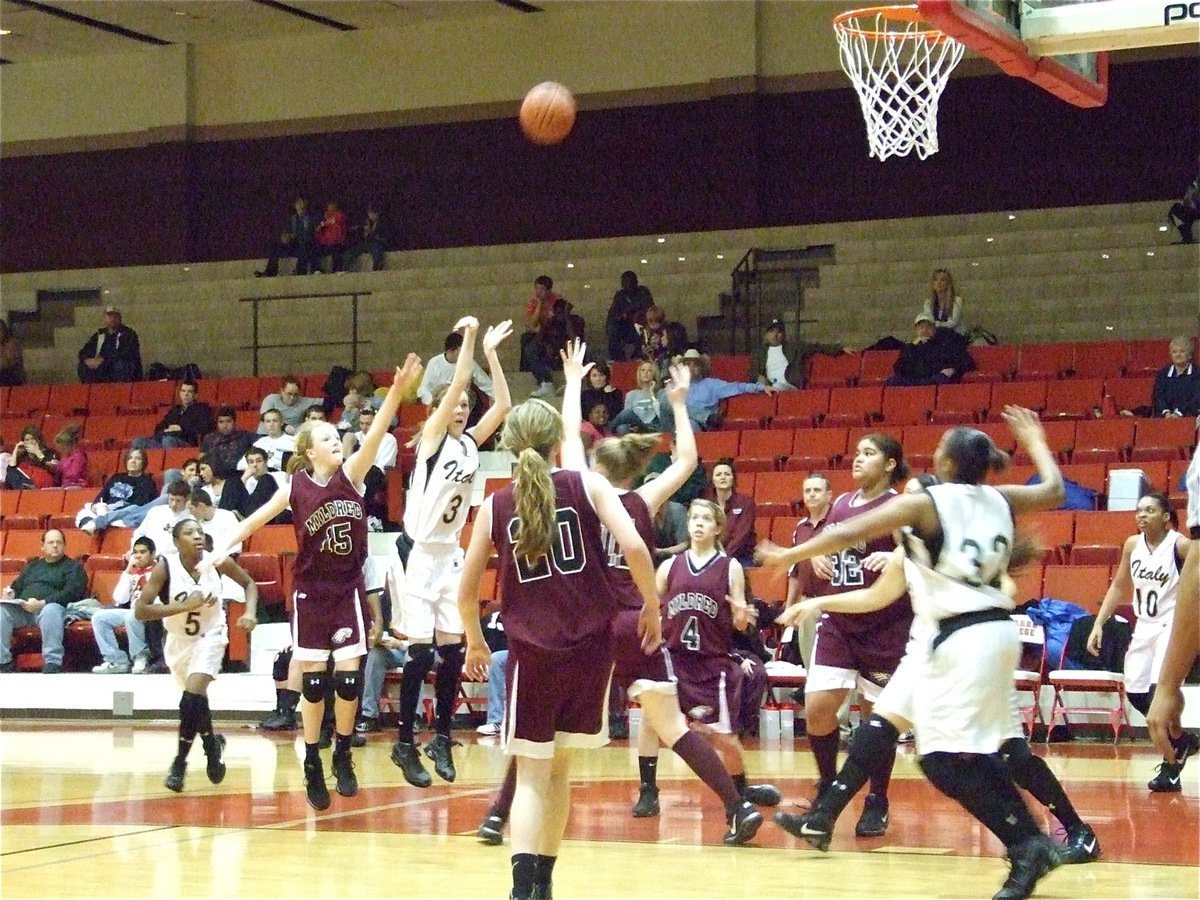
(628, 596)
(331, 528)
(848, 573)
(563, 599)
(698, 619)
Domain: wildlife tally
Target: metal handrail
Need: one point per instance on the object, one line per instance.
(353, 342)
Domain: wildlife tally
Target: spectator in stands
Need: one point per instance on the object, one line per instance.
(654, 334)
(440, 369)
(390, 653)
(1177, 385)
(625, 316)
(692, 489)
(641, 404)
(817, 495)
(601, 391)
(331, 236)
(12, 358)
(944, 307)
(223, 449)
(219, 524)
(369, 237)
(133, 516)
(535, 355)
(670, 527)
(290, 405)
(120, 615)
(212, 482)
(185, 424)
(31, 464)
(71, 467)
(705, 394)
(737, 539)
(563, 326)
(131, 488)
(375, 481)
(752, 655)
(295, 239)
(112, 353)
(39, 597)
(259, 485)
(278, 445)
(935, 356)
(1183, 215)
(780, 364)
(160, 520)
(673, 342)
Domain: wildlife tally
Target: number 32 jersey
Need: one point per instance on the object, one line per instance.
(439, 495)
(697, 618)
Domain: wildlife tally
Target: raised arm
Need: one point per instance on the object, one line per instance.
(402, 384)
(241, 577)
(1031, 436)
(478, 655)
(637, 557)
(502, 402)
(674, 476)
(574, 371)
(439, 420)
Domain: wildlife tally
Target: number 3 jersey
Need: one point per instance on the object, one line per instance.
(561, 600)
(1155, 575)
(439, 494)
(697, 617)
(179, 584)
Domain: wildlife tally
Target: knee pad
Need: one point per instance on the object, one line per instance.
(314, 686)
(347, 684)
(452, 655)
(1015, 754)
(873, 740)
(283, 660)
(420, 656)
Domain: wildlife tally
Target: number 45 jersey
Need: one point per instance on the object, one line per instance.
(331, 529)
(698, 618)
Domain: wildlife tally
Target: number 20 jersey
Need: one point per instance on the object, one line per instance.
(697, 617)
(561, 600)
(439, 495)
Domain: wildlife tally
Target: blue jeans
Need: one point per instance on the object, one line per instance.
(104, 625)
(132, 516)
(496, 686)
(51, 620)
(627, 420)
(379, 660)
(165, 441)
(666, 416)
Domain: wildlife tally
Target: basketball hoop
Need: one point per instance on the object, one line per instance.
(899, 65)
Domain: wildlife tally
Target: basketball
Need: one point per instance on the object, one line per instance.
(547, 113)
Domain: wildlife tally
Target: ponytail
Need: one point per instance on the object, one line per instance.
(535, 499)
(625, 457)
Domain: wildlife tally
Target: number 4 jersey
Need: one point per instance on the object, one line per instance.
(698, 618)
(560, 600)
(180, 583)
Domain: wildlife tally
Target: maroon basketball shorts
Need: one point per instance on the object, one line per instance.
(641, 672)
(328, 619)
(557, 698)
(709, 689)
(844, 659)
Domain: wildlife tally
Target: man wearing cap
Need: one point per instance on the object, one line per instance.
(705, 394)
(935, 356)
(112, 353)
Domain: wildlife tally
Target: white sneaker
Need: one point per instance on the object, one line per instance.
(545, 389)
(111, 668)
(140, 662)
(88, 527)
(491, 729)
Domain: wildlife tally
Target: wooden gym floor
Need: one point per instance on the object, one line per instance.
(85, 814)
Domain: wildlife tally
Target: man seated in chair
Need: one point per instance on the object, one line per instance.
(39, 597)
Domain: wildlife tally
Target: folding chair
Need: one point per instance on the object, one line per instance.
(853, 406)
(1103, 440)
(1030, 674)
(1068, 682)
(1030, 394)
(786, 677)
(1044, 361)
(993, 362)
(908, 405)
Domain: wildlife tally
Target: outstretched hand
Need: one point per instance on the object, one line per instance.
(771, 556)
(1024, 424)
(466, 323)
(496, 334)
(574, 368)
(407, 377)
(679, 382)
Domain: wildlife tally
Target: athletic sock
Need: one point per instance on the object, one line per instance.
(449, 670)
(342, 744)
(1031, 773)
(415, 669)
(189, 721)
(981, 785)
(702, 759)
(543, 873)
(825, 749)
(524, 871)
(312, 753)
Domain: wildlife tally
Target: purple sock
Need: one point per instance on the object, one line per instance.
(704, 761)
(825, 749)
(504, 797)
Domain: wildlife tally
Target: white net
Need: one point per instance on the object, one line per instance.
(899, 66)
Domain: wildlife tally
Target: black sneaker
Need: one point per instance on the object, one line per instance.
(1028, 862)
(314, 785)
(405, 756)
(9, 666)
(279, 720)
(618, 728)
(214, 750)
(491, 832)
(343, 771)
(175, 774)
(743, 825)
(367, 725)
(762, 794)
(1167, 781)
(647, 802)
(812, 827)
(874, 819)
(443, 761)
(358, 740)
(1082, 845)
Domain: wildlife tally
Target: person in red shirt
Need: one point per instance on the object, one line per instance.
(331, 236)
(537, 357)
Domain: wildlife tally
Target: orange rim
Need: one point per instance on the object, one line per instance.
(848, 21)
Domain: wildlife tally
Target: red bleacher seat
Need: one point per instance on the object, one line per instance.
(919, 442)
(107, 399)
(731, 367)
(1090, 475)
(1129, 393)
(68, 400)
(711, 445)
(1044, 361)
(1146, 357)
(240, 392)
(273, 539)
(794, 409)
(1099, 359)
(908, 405)
(877, 366)
(748, 411)
(1074, 398)
(1103, 440)
(1083, 585)
(777, 487)
(771, 445)
(1099, 537)
(623, 374)
(853, 406)
(1163, 438)
(41, 503)
(834, 371)
(961, 403)
(27, 399)
(816, 448)
(1030, 394)
(993, 362)
(1054, 530)
(1060, 436)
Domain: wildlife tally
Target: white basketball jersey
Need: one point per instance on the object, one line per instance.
(1155, 576)
(439, 495)
(963, 573)
(180, 583)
